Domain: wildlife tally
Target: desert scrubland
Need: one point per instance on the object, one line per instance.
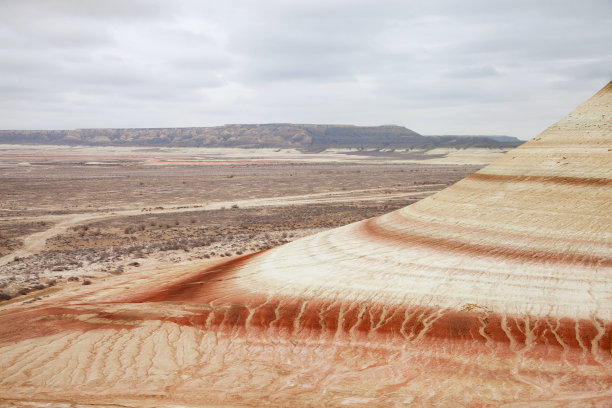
(74, 215)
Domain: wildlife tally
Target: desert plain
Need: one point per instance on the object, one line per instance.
(75, 215)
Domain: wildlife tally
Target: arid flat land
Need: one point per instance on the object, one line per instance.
(76, 215)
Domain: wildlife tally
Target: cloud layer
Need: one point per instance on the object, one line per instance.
(438, 66)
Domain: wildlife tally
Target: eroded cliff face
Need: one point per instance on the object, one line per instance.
(307, 138)
(497, 290)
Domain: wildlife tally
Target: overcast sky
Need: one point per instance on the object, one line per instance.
(436, 66)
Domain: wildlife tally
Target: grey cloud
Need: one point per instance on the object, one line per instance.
(473, 72)
(88, 9)
(435, 66)
(315, 41)
(598, 69)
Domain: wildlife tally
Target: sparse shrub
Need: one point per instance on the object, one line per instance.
(86, 282)
(136, 264)
(4, 296)
(73, 279)
(235, 206)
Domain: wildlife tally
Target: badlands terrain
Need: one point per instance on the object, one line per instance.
(495, 291)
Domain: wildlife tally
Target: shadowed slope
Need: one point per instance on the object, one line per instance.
(496, 290)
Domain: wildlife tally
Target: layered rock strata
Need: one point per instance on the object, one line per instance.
(497, 290)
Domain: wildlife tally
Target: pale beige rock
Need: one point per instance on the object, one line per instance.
(494, 292)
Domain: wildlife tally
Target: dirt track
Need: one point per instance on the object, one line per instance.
(35, 242)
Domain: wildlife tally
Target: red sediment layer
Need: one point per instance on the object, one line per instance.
(189, 289)
(233, 309)
(563, 180)
(26, 324)
(217, 304)
(376, 231)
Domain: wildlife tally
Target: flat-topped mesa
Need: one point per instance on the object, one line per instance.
(495, 290)
(307, 138)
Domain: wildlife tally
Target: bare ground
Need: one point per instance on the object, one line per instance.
(65, 220)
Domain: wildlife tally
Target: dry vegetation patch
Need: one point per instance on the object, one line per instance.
(32, 201)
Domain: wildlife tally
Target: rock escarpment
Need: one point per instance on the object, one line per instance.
(496, 290)
(308, 138)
